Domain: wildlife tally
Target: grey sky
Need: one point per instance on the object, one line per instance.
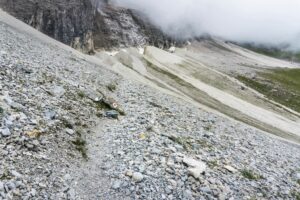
(261, 21)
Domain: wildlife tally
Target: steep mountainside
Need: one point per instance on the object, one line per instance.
(62, 135)
(85, 25)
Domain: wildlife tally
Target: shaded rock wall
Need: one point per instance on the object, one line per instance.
(65, 20)
(88, 24)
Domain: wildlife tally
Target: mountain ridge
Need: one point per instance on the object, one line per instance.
(85, 26)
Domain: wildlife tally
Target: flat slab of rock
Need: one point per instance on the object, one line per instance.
(192, 162)
(196, 167)
(230, 169)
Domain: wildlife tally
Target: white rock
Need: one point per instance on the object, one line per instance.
(230, 169)
(5, 132)
(137, 177)
(298, 176)
(192, 162)
(16, 174)
(172, 49)
(70, 131)
(196, 171)
(1, 187)
(196, 167)
(58, 91)
(129, 173)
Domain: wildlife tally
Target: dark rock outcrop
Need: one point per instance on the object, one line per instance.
(69, 21)
(120, 27)
(88, 24)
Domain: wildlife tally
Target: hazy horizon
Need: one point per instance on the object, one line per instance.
(264, 22)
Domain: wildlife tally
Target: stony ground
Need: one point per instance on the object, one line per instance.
(59, 138)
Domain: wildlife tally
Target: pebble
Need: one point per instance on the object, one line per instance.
(50, 114)
(129, 173)
(1, 186)
(70, 131)
(137, 177)
(16, 174)
(5, 132)
(117, 184)
(71, 194)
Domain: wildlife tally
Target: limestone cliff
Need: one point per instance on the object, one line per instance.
(88, 24)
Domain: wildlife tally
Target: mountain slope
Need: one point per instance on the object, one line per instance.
(59, 140)
(185, 75)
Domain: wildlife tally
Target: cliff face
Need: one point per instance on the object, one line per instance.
(119, 27)
(70, 22)
(87, 24)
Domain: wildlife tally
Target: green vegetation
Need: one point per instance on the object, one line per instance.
(274, 52)
(66, 123)
(296, 195)
(5, 174)
(81, 94)
(208, 127)
(81, 146)
(111, 87)
(189, 143)
(213, 163)
(1, 111)
(280, 85)
(250, 175)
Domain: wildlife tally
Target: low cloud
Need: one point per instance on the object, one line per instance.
(266, 22)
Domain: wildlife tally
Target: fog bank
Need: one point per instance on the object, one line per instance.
(261, 21)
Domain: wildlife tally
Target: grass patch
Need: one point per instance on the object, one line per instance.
(80, 145)
(213, 163)
(280, 85)
(101, 105)
(189, 143)
(208, 127)
(111, 87)
(1, 111)
(296, 195)
(274, 52)
(5, 174)
(66, 123)
(81, 94)
(250, 175)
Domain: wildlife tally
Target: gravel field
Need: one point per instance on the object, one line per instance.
(63, 136)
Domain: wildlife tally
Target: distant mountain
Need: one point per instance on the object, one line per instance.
(276, 52)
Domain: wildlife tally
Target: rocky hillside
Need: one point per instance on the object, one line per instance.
(72, 129)
(87, 25)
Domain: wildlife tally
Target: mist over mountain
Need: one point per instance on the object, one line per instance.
(266, 22)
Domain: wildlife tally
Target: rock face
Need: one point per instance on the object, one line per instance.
(119, 27)
(88, 24)
(70, 22)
